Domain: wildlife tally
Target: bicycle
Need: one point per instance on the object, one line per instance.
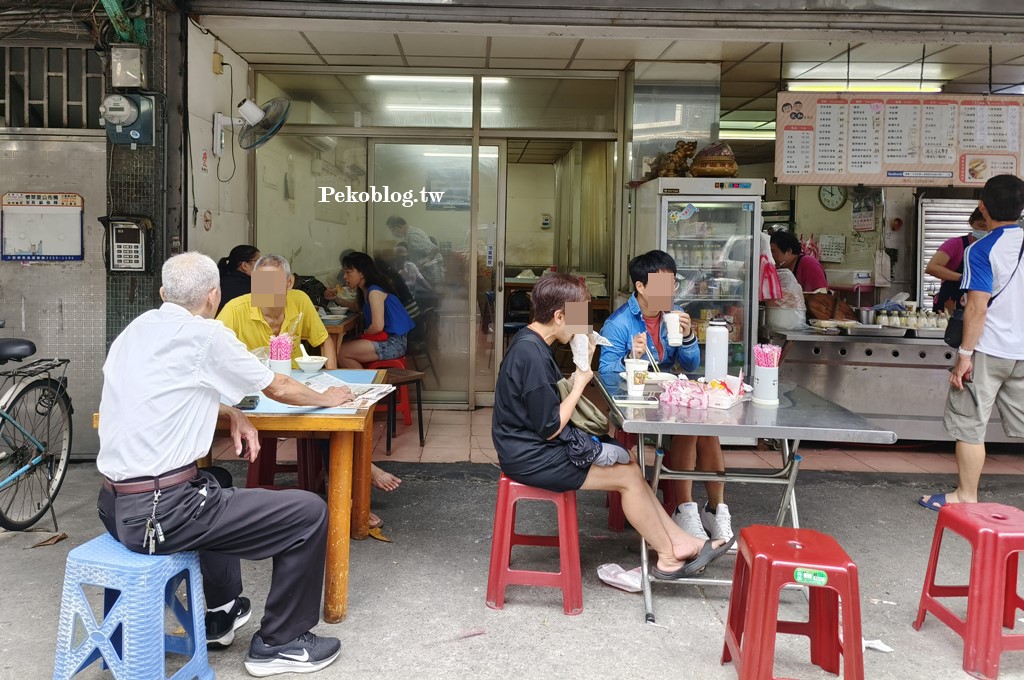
(35, 435)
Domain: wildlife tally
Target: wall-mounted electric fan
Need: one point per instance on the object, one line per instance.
(258, 123)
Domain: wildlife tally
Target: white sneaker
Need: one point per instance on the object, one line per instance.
(687, 518)
(718, 523)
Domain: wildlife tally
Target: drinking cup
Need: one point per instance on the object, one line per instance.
(675, 336)
(636, 377)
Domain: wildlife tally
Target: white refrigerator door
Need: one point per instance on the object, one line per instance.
(712, 240)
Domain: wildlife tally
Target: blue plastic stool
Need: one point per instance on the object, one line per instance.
(131, 640)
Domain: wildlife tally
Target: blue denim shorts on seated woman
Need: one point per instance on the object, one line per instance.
(392, 348)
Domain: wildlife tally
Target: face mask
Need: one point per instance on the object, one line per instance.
(978, 233)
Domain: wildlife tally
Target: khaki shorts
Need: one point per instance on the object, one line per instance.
(994, 381)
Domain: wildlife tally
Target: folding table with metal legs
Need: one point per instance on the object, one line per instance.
(800, 415)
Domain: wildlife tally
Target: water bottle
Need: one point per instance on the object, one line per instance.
(716, 351)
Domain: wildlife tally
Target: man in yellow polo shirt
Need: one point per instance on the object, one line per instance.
(274, 307)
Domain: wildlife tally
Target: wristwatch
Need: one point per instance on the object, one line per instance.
(965, 352)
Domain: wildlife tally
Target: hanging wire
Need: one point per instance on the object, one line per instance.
(847, 66)
(920, 80)
(990, 69)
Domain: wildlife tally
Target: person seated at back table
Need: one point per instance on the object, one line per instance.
(412, 277)
(387, 323)
(531, 429)
(275, 307)
(636, 327)
(236, 273)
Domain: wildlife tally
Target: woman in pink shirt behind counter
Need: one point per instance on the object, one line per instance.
(787, 252)
(947, 264)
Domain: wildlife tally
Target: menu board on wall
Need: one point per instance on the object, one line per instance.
(896, 139)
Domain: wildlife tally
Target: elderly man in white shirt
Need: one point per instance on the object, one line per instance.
(163, 382)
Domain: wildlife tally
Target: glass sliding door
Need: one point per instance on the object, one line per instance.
(419, 213)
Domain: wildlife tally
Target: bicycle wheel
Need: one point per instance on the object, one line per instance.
(30, 478)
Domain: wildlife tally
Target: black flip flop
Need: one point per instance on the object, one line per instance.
(670, 575)
(696, 566)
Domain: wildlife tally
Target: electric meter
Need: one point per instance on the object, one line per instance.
(119, 110)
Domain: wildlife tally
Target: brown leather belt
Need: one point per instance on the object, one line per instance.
(148, 484)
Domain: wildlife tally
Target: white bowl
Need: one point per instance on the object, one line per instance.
(311, 364)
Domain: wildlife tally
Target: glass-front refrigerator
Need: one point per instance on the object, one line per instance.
(709, 227)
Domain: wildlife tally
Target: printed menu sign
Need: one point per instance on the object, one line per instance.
(896, 139)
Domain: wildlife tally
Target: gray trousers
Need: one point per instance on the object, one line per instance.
(228, 524)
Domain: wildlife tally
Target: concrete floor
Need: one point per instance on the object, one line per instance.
(416, 606)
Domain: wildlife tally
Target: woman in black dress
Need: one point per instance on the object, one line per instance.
(529, 419)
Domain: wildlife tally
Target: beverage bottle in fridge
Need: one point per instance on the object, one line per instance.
(716, 351)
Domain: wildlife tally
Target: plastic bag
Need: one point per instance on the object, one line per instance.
(792, 293)
(616, 576)
(683, 392)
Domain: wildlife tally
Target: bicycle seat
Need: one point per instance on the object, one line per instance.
(15, 349)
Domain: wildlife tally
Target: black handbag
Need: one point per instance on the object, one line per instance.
(954, 334)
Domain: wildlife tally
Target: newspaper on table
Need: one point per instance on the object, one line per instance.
(366, 395)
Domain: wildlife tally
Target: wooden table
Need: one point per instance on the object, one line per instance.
(348, 479)
(338, 331)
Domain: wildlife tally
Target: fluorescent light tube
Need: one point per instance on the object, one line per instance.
(426, 108)
(450, 80)
(759, 135)
(450, 154)
(895, 86)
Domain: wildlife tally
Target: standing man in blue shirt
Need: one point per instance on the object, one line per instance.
(989, 367)
(636, 327)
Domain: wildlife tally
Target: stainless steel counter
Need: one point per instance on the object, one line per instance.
(898, 384)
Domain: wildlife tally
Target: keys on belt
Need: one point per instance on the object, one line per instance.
(153, 534)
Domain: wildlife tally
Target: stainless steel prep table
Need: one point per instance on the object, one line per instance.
(910, 374)
(800, 414)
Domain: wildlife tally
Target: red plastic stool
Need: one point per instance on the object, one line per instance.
(768, 559)
(616, 518)
(309, 465)
(403, 392)
(501, 575)
(996, 535)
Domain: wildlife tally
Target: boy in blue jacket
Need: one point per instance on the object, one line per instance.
(637, 326)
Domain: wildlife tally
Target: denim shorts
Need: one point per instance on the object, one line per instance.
(392, 348)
